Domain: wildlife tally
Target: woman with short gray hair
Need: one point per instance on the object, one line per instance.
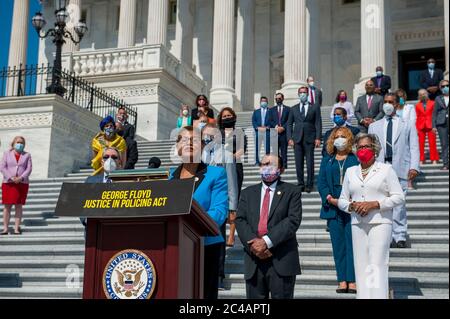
(370, 191)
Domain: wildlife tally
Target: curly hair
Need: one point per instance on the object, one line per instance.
(331, 149)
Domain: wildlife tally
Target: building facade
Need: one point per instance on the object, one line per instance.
(236, 51)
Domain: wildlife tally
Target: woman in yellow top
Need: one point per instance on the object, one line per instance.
(107, 138)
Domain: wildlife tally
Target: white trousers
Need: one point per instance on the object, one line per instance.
(371, 258)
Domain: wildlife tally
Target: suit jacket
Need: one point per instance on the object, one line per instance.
(310, 128)
(284, 117)
(9, 167)
(329, 183)
(132, 154)
(284, 220)
(327, 135)
(386, 84)
(406, 155)
(318, 96)
(362, 110)
(211, 193)
(128, 131)
(194, 114)
(440, 112)
(424, 120)
(381, 184)
(269, 121)
(426, 80)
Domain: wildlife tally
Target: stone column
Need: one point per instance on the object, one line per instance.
(74, 10)
(127, 24)
(222, 91)
(245, 53)
(446, 8)
(295, 49)
(18, 42)
(373, 42)
(158, 16)
(184, 31)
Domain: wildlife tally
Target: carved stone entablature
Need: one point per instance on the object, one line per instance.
(421, 35)
(71, 127)
(133, 91)
(30, 120)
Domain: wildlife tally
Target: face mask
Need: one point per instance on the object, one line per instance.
(445, 90)
(431, 66)
(340, 143)
(207, 140)
(279, 101)
(19, 147)
(270, 174)
(365, 155)
(388, 109)
(109, 131)
(343, 98)
(338, 120)
(379, 74)
(109, 165)
(185, 112)
(423, 99)
(229, 123)
(264, 105)
(311, 84)
(201, 125)
(399, 113)
(402, 101)
(303, 97)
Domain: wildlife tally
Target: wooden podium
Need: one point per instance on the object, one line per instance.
(172, 242)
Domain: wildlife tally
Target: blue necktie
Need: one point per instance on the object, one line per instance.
(389, 138)
(302, 111)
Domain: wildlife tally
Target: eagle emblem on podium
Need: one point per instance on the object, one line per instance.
(129, 274)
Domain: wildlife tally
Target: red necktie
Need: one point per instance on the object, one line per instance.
(264, 216)
(369, 103)
(312, 97)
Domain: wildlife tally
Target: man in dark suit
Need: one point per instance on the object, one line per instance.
(340, 120)
(268, 217)
(430, 79)
(280, 113)
(369, 107)
(314, 93)
(304, 131)
(124, 129)
(382, 82)
(441, 122)
(262, 124)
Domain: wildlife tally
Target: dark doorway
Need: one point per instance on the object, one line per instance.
(412, 63)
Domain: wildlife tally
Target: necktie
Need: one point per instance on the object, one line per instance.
(302, 111)
(389, 138)
(263, 115)
(264, 216)
(312, 96)
(369, 103)
(280, 113)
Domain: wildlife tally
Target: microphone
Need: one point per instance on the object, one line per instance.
(154, 162)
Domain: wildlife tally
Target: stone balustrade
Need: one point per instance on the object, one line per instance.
(129, 60)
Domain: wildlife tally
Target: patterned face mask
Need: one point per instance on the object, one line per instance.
(270, 174)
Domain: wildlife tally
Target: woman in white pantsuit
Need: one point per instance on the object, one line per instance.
(369, 193)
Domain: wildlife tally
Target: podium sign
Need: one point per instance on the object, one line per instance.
(143, 240)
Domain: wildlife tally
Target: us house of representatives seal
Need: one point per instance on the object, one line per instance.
(129, 274)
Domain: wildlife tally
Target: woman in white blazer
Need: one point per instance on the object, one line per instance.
(369, 193)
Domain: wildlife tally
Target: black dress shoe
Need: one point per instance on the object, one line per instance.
(351, 291)
(308, 190)
(401, 244)
(341, 290)
(393, 244)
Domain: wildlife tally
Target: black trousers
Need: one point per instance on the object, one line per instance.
(211, 271)
(443, 136)
(240, 177)
(283, 148)
(302, 151)
(266, 281)
(223, 230)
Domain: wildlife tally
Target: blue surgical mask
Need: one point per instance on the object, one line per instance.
(264, 105)
(399, 113)
(402, 101)
(338, 120)
(207, 140)
(19, 147)
(431, 66)
(445, 90)
(303, 97)
(379, 74)
(201, 125)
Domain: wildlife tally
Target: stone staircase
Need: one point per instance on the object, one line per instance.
(47, 260)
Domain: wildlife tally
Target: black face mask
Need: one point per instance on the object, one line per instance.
(279, 101)
(229, 123)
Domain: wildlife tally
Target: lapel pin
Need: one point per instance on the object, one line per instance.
(279, 193)
(197, 179)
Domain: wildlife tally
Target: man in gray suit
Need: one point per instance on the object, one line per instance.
(440, 120)
(369, 107)
(400, 147)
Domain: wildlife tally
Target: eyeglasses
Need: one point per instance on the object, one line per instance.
(114, 157)
(189, 140)
(362, 147)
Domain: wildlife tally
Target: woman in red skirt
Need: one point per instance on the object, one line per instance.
(16, 168)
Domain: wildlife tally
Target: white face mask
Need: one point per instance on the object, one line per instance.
(110, 165)
(185, 112)
(388, 109)
(311, 84)
(340, 143)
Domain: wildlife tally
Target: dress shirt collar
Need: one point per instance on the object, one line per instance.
(272, 187)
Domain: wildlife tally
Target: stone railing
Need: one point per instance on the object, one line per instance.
(129, 60)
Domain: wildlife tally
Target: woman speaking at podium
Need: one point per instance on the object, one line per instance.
(211, 193)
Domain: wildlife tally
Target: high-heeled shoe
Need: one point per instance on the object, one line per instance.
(341, 290)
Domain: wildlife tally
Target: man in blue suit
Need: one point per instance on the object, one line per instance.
(262, 122)
(280, 113)
(340, 120)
